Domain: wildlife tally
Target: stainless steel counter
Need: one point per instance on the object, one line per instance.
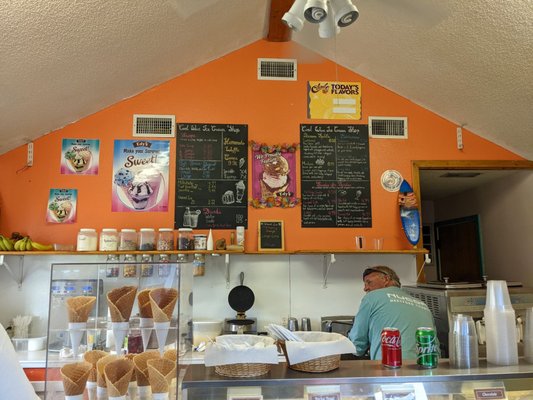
(366, 376)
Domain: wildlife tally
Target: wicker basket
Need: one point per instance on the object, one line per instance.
(243, 370)
(320, 364)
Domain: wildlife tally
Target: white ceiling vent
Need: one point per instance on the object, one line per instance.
(276, 69)
(154, 125)
(388, 127)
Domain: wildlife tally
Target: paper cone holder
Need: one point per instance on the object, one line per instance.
(101, 392)
(132, 390)
(145, 392)
(119, 333)
(75, 397)
(117, 398)
(76, 331)
(160, 396)
(146, 325)
(91, 390)
(161, 331)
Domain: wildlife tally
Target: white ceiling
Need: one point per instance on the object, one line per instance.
(470, 61)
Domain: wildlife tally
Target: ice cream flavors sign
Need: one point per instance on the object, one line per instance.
(62, 206)
(333, 100)
(80, 156)
(140, 175)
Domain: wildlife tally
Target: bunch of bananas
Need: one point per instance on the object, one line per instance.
(22, 243)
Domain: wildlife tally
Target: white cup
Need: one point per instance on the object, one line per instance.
(359, 242)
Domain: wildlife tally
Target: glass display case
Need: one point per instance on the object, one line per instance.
(120, 307)
(366, 380)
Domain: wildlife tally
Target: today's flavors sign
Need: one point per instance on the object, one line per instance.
(334, 100)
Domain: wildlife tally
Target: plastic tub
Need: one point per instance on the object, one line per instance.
(204, 331)
(29, 344)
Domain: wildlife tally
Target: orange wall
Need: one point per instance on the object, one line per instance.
(227, 91)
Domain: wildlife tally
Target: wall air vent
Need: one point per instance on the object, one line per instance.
(388, 127)
(276, 69)
(154, 125)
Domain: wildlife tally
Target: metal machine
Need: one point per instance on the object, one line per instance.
(444, 302)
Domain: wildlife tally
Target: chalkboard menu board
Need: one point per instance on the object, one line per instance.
(211, 176)
(271, 237)
(335, 174)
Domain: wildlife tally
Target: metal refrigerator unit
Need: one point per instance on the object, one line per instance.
(445, 300)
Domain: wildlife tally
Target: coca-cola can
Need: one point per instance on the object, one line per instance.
(391, 348)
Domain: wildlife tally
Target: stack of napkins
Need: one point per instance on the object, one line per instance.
(241, 349)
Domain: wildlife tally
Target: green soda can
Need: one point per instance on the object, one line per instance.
(427, 348)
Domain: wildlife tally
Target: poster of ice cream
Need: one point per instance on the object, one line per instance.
(62, 206)
(80, 156)
(140, 175)
(274, 176)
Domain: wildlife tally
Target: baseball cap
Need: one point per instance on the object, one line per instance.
(384, 270)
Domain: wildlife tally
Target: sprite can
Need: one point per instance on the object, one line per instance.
(427, 348)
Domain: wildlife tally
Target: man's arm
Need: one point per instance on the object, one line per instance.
(359, 332)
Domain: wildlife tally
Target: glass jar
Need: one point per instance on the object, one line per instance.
(165, 239)
(147, 239)
(200, 242)
(87, 239)
(108, 240)
(127, 240)
(185, 239)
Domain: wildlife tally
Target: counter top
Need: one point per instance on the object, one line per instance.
(360, 371)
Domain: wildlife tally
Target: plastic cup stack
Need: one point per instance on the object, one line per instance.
(528, 336)
(500, 325)
(463, 343)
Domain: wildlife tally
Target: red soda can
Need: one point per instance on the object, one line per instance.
(391, 348)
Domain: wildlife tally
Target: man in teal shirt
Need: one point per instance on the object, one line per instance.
(387, 305)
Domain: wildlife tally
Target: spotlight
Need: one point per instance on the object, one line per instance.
(294, 17)
(316, 11)
(327, 28)
(345, 12)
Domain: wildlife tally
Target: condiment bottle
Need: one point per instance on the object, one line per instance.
(87, 239)
(108, 240)
(147, 239)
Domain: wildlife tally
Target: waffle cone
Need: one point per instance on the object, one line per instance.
(100, 365)
(92, 357)
(120, 302)
(171, 354)
(160, 374)
(145, 308)
(130, 356)
(117, 375)
(140, 361)
(79, 308)
(163, 301)
(74, 377)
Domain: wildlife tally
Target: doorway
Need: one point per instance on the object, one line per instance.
(459, 249)
(429, 181)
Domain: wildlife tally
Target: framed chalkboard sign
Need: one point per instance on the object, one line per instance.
(271, 236)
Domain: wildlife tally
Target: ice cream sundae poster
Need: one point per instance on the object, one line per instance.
(62, 206)
(140, 175)
(80, 156)
(274, 175)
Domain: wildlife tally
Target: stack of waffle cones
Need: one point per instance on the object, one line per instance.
(120, 302)
(163, 301)
(140, 361)
(75, 378)
(143, 299)
(100, 367)
(171, 354)
(92, 357)
(79, 308)
(117, 375)
(160, 374)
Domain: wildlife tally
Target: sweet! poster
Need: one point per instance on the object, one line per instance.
(80, 156)
(140, 175)
(62, 206)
